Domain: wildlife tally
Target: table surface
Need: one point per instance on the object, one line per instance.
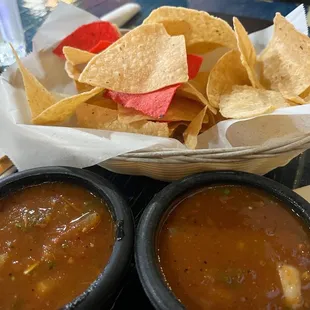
(255, 14)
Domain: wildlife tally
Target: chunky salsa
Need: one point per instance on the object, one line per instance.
(55, 239)
(235, 247)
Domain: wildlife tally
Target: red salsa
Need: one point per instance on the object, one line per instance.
(235, 247)
(55, 239)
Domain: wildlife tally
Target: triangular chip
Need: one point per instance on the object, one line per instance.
(155, 104)
(91, 116)
(202, 31)
(72, 71)
(200, 82)
(188, 90)
(63, 109)
(77, 56)
(192, 131)
(39, 98)
(100, 46)
(286, 62)
(246, 101)
(87, 36)
(103, 102)
(226, 73)
(82, 87)
(143, 60)
(247, 52)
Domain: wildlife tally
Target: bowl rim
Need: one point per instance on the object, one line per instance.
(146, 260)
(108, 281)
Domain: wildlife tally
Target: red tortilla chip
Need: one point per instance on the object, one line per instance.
(155, 103)
(194, 63)
(87, 36)
(100, 46)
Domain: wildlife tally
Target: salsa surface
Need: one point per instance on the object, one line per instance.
(235, 247)
(55, 239)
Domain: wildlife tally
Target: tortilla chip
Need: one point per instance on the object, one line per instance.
(193, 64)
(202, 31)
(130, 115)
(103, 102)
(63, 109)
(188, 90)
(246, 101)
(247, 52)
(180, 109)
(286, 64)
(226, 73)
(143, 60)
(200, 82)
(100, 46)
(77, 56)
(191, 133)
(155, 104)
(72, 71)
(39, 98)
(82, 87)
(87, 36)
(91, 116)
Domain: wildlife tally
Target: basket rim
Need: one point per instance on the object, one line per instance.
(299, 142)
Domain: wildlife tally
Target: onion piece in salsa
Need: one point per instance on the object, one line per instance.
(235, 247)
(55, 239)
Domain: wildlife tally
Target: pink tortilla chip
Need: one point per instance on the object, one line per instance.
(155, 103)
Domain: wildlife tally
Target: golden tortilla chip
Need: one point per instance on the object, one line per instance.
(200, 82)
(191, 133)
(202, 31)
(180, 109)
(247, 52)
(63, 109)
(286, 62)
(72, 71)
(246, 101)
(82, 87)
(39, 98)
(91, 116)
(143, 60)
(226, 73)
(103, 102)
(77, 56)
(188, 90)
(129, 115)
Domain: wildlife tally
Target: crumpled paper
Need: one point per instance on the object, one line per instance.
(30, 146)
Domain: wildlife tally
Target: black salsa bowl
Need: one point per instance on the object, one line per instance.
(146, 258)
(103, 291)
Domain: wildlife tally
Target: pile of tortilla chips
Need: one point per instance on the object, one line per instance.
(149, 81)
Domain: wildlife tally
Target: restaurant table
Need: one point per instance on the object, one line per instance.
(139, 190)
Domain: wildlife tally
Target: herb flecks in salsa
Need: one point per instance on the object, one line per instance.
(235, 247)
(55, 239)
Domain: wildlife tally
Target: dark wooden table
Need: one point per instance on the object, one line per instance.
(139, 190)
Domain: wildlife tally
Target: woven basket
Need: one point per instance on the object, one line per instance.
(173, 164)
